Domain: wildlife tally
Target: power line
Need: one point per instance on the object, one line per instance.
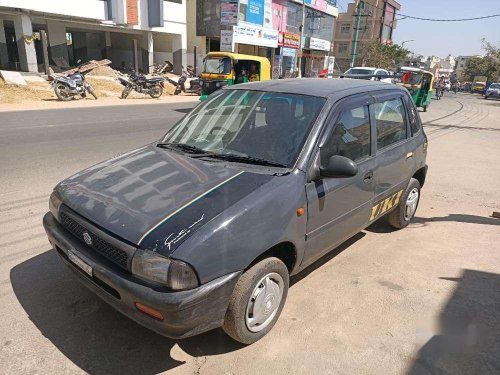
(446, 20)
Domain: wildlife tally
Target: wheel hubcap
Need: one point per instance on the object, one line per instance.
(264, 302)
(411, 204)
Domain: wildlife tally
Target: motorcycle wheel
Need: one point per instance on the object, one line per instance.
(90, 89)
(126, 91)
(60, 91)
(156, 91)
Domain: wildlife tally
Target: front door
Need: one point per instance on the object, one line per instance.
(340, 207)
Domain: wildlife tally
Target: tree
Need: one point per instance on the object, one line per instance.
(386, 56)
(488, 66)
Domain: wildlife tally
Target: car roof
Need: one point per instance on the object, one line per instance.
(321, 87)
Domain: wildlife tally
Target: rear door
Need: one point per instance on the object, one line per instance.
(340, 207)
(394, 153)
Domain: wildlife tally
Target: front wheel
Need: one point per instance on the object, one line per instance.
(90, 89)
(156, 92)
(257, 301)
(126, 92)
(401, 216)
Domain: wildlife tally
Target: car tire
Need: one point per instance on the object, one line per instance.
(257, 301)
(485, 97)
(401, 216)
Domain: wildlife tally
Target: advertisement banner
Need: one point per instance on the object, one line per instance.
(319, 44)
(226, 41)
(289, 52)
(229, 12)
(256, 36)
(280, 13)
(255, 12)
(290, 40)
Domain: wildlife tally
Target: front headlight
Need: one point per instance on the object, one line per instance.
(55, 203)
(172, 273)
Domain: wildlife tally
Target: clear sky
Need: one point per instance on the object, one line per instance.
(443, 38)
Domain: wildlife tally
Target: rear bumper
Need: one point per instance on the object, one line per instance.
(185, 313)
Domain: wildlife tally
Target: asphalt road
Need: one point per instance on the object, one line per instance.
(422, 300)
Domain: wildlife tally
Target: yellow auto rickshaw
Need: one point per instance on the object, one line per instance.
(227, 68)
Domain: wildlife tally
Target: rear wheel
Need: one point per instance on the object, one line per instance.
(257, 301)
(61, 93)
(401, 216)
(156, 91)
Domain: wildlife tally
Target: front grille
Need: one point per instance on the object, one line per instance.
(104, 248)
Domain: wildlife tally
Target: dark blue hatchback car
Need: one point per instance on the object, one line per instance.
(203, 228)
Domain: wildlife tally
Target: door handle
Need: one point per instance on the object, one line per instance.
(409, 155)
(368, 177)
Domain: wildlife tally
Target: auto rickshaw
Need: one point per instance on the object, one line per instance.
(419, 83)
(227, 68)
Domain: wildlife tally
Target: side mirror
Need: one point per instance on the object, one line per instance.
(339, 166)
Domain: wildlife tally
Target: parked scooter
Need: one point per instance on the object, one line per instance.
(138, 82)
(68, 87)
(188, 82)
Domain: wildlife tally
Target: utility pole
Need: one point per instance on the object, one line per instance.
(359, 8)
(299, 60)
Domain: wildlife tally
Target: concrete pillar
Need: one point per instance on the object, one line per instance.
(146, 45)
(4, 55)
(58, 47)
(107, 43)
(179, 49)
(27, 52)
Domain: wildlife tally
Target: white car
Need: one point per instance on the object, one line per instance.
(364, 71)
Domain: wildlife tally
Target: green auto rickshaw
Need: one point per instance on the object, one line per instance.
(419, 83)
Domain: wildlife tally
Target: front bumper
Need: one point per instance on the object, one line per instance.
(186, 313)
(493, 94)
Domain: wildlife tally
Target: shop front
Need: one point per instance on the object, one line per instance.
(285, 58)
(314, 56)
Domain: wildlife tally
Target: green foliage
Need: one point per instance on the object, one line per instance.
(383, 56)
(488, 65)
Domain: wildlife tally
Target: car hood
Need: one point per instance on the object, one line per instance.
(155, 198)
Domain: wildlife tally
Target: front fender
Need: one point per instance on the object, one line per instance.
(247, 229)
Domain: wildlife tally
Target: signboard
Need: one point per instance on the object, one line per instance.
(317, 4)
(256, 36)
(290, 40)
(226, 41)
(319, 44)
(229, 12)
(255, 12)
(290, 52)
(330, 64)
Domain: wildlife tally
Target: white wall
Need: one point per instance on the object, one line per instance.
(94, 9)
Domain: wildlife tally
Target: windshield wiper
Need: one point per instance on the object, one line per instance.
(246, 159)
(183, 146)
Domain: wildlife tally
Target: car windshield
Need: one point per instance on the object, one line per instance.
(217, 65)
(258, 125)
(495, 86)
(359, 71)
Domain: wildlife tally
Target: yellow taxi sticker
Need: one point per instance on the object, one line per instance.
(382, 207)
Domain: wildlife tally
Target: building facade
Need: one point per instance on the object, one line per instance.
(460, 63)
(378, 21)
(130, 33)
(268, 28)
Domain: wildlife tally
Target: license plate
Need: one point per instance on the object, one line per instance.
(80, 263)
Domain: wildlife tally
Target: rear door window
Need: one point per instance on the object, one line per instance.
(390, 122)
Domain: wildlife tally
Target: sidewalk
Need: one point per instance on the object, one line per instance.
(90, 102)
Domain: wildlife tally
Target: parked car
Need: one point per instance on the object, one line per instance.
(369, 74)
(493, 91)
(204, 227)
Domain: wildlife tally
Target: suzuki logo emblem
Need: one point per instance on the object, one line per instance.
(87, 238)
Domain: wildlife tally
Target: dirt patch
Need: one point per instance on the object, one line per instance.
(33, 91)
(103, 71)
(105, 86)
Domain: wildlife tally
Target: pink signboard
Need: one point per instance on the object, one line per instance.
(280, 12)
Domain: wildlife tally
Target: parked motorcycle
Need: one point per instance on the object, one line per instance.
(68, 87)
(138, 82)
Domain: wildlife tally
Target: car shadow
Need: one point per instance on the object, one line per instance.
(99, 339)
(468, 337)
(183, 110)
(382, 226)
